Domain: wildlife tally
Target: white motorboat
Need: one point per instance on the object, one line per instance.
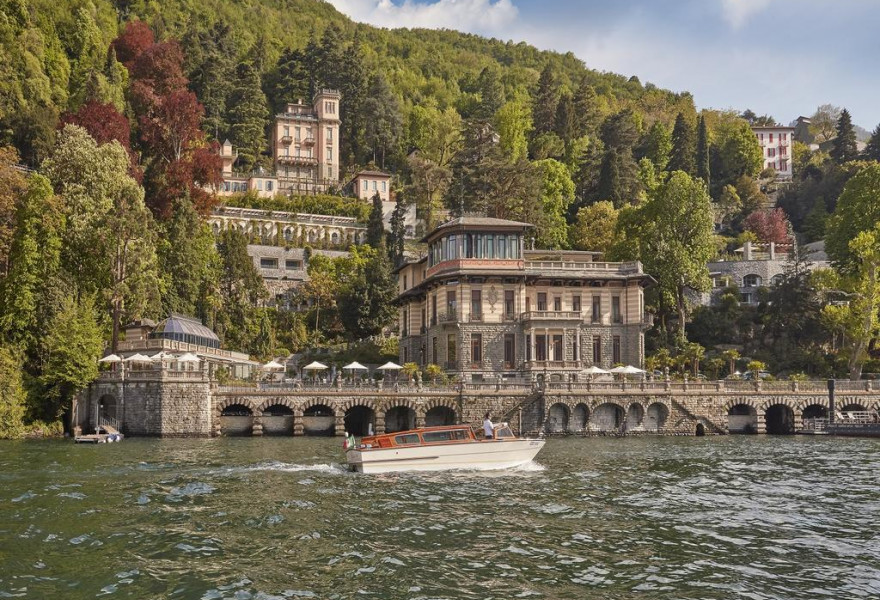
(440, 449)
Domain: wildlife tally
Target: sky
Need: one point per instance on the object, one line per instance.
(778, 57)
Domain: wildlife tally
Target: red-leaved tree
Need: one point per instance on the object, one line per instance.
(136, 38)
(769, 226)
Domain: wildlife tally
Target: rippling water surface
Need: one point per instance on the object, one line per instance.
(733, 517)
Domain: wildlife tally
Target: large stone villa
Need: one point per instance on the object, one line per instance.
(483, 307)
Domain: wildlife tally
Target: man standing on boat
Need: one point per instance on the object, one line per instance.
(488, 427)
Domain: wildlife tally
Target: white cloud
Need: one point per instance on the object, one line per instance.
(737, 12)
(465, 15)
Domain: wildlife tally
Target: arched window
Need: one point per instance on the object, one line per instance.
(751, 281)
(777, 279)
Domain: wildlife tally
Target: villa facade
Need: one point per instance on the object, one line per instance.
(775, 142)
(483, 307)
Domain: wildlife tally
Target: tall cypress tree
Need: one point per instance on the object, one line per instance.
(683, 147)
(564, 122)
(844, 148)
(375, 224)
(544, 110)
(397, 233)
(872, 150)
(248, 115)
(702, 156)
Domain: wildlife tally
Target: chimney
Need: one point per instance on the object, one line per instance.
(747, 250)
(772, 250)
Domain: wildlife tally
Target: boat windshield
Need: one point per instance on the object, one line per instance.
(503, 431)
(407, 439)
(448, 435)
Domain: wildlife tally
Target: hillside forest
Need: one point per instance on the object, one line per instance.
(111, 114)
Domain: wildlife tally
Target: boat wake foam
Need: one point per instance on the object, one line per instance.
(276, 465)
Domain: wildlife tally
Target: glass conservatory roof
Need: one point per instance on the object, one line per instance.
(186, 329)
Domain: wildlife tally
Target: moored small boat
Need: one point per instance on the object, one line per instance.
(441, 448)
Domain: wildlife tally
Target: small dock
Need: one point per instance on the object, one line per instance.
(105, 434)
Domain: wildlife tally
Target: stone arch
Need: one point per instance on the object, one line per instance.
(580, 416)
(656, 416)
(399, 417)
(440, 415)
(742, 417)
(108, 408)
(635, 416)
(268, 402)
(736, 401)
(557, 418)
(227, 402)
(814, 411)
(779, 418)
(607, 417)
(334, 237)
(318, 417)
(236, 416)
(359, 418)
(853, 407)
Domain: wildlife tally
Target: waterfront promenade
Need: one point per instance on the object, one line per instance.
(188, 404)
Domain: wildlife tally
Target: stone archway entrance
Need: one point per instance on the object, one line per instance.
(399, 418)
(439, 415)
(779, 419)
(360, 420)
(557, 419)
(634, 416)
(608, 417)
(237, 419)
(108, 411)
(579, 417)
(742, 418)
(656, 416)
(277, 420)
(319, 420)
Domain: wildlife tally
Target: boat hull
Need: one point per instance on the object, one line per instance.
(485, 455)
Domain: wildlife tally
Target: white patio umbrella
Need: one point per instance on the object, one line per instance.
(355, 366)
(162, 356)
(110, 358)
(314, 366)
(390, 366)
(188, 357)
(594, 370)
(138, 358)
(631, 370)
(273, 365)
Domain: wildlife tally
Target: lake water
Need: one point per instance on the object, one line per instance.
(717, 517)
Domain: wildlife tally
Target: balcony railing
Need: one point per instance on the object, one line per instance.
(297, 160)
(476, 317)
(449, 316)
(509, 316)
(286, 140)
(308, 141)
(551, 315)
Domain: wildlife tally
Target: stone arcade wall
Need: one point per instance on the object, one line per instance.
(193, 407)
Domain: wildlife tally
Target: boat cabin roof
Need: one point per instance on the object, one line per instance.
(443, 434)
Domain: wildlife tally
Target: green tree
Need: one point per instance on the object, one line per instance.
(546, 97)
(241, 289)
(188, 260)
(33, 264)
(13, 398)
(491, 93)
(557, 194)
(595, 228)
(702, 155)
(513, 122)
(683, 146)
(384, 124)
(210, 55)
(586, 109)
(72, 344)
(674, 237)
(397, 235)
(728, 205)
(872, 149)
(376, 224)
(824, 121)
(658, 145)
(858, 319)
(844, 147)
(857, 211)
(247, 115)
(366, 300)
